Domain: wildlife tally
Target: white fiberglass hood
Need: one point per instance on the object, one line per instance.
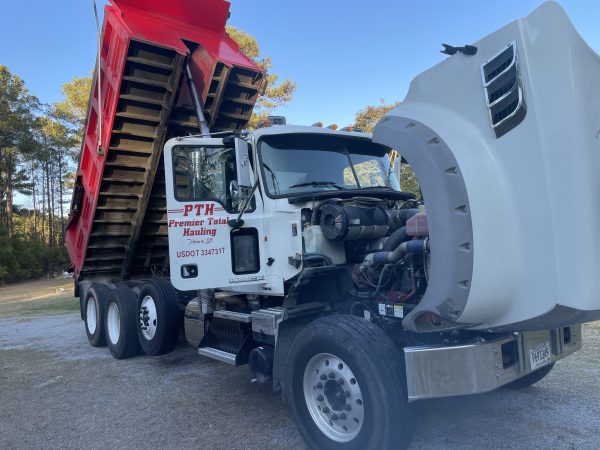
(506, 145)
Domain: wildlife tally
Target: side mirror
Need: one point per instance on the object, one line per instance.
(242, 162)
(234, 189)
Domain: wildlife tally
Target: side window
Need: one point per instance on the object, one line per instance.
(204, 173)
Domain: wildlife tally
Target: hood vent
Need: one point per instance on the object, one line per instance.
(503, 90)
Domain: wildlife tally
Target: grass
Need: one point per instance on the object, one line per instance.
(38, 297)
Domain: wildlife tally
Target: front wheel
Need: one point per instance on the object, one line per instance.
(346, 387)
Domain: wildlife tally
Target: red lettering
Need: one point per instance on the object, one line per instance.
(200, 209)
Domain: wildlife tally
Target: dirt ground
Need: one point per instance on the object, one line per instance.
(58, 392)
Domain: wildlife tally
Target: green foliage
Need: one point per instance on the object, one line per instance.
(36, 148)
(24, 257)
(276, 94)
(366, 119)
(17, 109)
(408, 180)
(73, 109)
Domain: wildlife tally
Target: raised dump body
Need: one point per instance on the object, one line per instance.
(118, 226)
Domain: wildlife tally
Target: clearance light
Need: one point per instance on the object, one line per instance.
(317, 124)
(349, 129)
(333, 127)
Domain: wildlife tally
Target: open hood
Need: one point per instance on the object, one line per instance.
(506, 146)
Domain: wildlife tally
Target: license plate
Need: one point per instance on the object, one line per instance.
(539, 355)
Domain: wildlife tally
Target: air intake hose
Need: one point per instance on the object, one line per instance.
(413, 246)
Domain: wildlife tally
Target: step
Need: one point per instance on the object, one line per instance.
(232, 315)
(219, 355)
(265, 321)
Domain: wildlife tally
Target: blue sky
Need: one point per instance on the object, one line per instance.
(344, 55)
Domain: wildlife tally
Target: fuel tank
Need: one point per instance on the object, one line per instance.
(506, 146)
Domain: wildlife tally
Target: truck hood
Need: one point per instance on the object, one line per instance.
(506, 146)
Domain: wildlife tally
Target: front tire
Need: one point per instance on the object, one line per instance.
(119, 320)
(94, 306)
(345, 384)
(159, 317)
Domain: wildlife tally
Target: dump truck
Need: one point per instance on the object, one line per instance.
(293, 250)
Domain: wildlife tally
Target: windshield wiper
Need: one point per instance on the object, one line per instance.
(379, 187)
(317, 183)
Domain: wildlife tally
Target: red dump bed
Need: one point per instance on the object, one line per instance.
(117, 227)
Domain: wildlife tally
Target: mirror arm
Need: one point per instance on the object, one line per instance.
(238, 223)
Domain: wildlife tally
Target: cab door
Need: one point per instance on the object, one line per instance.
(205, 181)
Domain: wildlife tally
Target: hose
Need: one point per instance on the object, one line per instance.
(307, 257)
(413, 246)
(396, 238)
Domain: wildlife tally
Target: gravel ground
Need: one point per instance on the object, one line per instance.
(58, 392)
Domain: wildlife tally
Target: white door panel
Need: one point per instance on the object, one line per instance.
(199, 208)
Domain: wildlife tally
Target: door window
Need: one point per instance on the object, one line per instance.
(205, 173)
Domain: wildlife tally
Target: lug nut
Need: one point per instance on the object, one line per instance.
(320, 398)
(326, 410)
(334, 417)
(323, 377)
(331, 375)
(319, 385)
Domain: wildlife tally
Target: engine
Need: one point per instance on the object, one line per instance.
(384, 244)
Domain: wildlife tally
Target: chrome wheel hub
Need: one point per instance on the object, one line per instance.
(333, 397)
(148, 317)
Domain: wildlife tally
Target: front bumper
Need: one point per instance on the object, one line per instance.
(433, 372)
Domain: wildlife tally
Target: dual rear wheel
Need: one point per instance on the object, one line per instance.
(129, 323)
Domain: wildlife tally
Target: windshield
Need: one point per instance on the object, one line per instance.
(299, 163)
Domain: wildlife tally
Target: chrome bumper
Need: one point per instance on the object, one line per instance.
(433, 372)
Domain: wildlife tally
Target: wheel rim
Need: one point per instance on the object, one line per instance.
(91, 316)
(148, 317)
(333, 397)
(113, 323)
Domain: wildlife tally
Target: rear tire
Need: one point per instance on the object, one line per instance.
(158, 317)
(530, 379)
(119, 320)
(346, 386)
(94, 306)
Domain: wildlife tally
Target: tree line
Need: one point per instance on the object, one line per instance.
(38, 150)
